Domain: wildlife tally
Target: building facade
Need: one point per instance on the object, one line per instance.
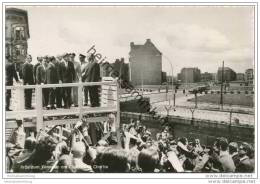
(189, 75)
(228, 74)
(16, 34)
(249, 76)
(145, 64)
(206, 77)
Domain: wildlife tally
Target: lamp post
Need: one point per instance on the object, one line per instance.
(173, 91)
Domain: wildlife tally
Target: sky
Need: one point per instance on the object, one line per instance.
(187, 36)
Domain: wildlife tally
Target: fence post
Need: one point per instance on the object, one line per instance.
(39, 110)
(80, 100)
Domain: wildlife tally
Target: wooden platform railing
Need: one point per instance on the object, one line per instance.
(39, 113)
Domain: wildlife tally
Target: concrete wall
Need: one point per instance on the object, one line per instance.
(205, 130)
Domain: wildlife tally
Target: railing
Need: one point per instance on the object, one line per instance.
(109, 104)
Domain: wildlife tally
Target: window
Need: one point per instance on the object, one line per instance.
(19, 33)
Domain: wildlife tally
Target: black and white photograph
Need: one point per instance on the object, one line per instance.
(136, 89)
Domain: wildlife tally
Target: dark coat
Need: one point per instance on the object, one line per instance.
(91, 73)
(67, 74)
(27, 72)
(52, 74)
(35, 69)
(41, 75)
(10, 74)
(245, 166)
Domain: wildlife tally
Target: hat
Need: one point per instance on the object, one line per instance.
(19, 121)
(73, 54)
(81, 55)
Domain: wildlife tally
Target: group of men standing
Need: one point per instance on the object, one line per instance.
(56, 70)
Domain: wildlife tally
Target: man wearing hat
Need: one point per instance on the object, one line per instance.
(76, 79)
(67, 75)
(84, 66)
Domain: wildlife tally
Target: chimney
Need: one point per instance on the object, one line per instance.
(132, 44)
(148, 40)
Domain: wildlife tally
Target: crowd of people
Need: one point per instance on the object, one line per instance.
(133, 151)
(56, 70)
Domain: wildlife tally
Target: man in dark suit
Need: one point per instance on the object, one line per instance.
(67, 75)
(10, 75)
(92, 74)
(41, 79)
(52, 78)
(58, 90)
(84, 68)
(27, 72)
(39, 59)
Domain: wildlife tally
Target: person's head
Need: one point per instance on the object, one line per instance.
(244, 149)
(53, 59)
(43, 151)
(59, 58)
(233, 147)
(72, 56)
(148, 159)
(39, 59)
(78, 150)
(221, 144)
(184, 141)
(29, 58)
(82, 58)
(114, 160)
(19, 122)
(91, 58)
(66, 57)
(197, 142)
(45, 61)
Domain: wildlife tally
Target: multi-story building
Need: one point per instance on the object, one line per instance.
(189, 75)
(206, 77)
(228, 74)
(16, 34)
(145, 64)
(249, 76)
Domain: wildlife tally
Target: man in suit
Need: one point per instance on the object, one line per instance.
(76, 80)
(52, 78)
(10, 75)
(39, 59)
(67, 75)
(92, 74)
(27, 72)
(84, 67)
(58, 90)
(41, 79)
(245, 165)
